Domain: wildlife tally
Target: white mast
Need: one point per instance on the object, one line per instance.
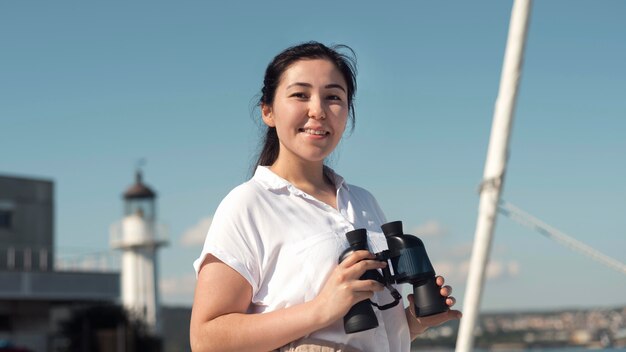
(495, 168)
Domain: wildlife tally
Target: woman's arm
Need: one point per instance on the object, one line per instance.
(219, 321)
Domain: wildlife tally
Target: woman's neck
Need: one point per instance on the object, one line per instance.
(302, 175)
(309, 178)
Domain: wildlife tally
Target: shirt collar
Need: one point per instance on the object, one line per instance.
(272, 182)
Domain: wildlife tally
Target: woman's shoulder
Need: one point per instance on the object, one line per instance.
(246, 193)
(360, 192)
(352, 189)
(238, 208)
(364, 200)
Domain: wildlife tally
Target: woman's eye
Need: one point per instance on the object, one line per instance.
(334, 97)
(299, 95)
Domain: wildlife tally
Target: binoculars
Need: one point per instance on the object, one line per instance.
(410, 264)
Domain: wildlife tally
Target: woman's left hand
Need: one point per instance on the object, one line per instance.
(421, 324)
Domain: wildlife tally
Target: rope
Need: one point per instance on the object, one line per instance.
(525, 219)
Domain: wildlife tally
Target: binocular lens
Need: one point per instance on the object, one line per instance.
(360, 317)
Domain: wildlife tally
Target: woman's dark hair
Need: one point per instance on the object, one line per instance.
(346, 64)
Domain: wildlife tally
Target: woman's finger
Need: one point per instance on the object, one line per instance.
(446, 291)
(361, 267)
(439, 280)
(367, 285)
(411, 304)
(356, 257)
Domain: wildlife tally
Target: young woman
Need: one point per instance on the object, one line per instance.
(268, 277)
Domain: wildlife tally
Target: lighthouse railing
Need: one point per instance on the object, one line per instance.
(119, 240)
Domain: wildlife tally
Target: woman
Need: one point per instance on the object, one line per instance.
(268, 276)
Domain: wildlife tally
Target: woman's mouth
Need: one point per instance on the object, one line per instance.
(314, 132)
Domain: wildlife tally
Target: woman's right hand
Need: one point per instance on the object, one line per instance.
(343, 289)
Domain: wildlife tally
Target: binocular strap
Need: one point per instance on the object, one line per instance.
(396, 296)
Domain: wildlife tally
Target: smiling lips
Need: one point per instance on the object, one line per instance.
(314, 132)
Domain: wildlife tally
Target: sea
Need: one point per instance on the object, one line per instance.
(568, 349)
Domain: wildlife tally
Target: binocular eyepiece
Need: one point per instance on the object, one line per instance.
(410, 264)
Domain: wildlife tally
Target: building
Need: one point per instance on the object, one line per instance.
(34, 294)
(138, 236)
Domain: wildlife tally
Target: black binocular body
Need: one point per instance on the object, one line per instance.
(410, 264)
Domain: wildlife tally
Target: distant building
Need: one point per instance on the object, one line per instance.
(34, 295)
(26, 224)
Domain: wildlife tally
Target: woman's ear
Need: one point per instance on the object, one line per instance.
(266, 114)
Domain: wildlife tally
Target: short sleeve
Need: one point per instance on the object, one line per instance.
(233, 239)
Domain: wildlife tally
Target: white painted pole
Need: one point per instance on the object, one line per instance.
(495, 167)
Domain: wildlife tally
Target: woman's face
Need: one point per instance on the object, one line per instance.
(310, 110)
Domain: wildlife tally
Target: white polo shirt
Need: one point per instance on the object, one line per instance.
(286, 243)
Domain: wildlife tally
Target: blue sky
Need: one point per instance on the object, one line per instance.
(87, 89)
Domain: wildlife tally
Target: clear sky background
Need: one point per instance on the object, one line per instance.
(88, 88)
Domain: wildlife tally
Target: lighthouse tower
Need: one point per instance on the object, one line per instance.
(137, 236)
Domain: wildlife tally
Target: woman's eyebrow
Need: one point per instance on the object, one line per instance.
(300, 84)
(308, 85)
(335, 85)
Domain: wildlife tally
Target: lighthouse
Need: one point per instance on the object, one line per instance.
(139, 237)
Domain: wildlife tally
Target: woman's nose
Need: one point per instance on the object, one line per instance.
(316, 109)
